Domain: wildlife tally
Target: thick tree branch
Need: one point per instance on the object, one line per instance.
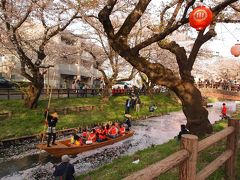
(227, 20)
(24, 73)
(201, 39)
(158, 37)
(104, 17)
(177, 50)
(222, 6)
(132, 18)
(189, 4)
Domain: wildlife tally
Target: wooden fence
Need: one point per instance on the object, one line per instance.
(57, 93)
(186, 158)
(6, 93)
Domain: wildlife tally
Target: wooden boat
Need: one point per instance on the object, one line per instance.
(65, 147)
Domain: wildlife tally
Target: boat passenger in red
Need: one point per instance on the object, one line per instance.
(91, 137)
(122, 129)
(113, 132)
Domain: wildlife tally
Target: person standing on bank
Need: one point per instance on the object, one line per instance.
(138, 103)
(224, 111)
(65, 170)
(52, 120)
(127, 106)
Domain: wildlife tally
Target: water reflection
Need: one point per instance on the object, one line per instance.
(33, 164)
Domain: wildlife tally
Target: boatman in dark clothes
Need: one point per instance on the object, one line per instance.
(52, 120)
(65, 170)
(128, 122)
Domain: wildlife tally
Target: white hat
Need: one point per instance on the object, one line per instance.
(65, 158)
(128, 115)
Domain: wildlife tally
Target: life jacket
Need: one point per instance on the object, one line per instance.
(122, 130)
(102, 136)
(84, 134)
(107, 131)
(113, 130)
(92, 137)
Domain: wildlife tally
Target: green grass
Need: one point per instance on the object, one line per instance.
(123, 166)
(27, 122)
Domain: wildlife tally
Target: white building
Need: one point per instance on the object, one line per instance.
(67, 68)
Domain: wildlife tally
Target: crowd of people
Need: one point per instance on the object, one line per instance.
(133, 102)
(228, 85)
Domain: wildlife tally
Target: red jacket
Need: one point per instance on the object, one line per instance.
(92, 136)
(224, 110)
(122, 130)
(113, 131)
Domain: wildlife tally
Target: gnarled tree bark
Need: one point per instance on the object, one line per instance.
(196, 113)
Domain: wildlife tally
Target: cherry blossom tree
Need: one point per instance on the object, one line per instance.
(173, 17)
(27, 28)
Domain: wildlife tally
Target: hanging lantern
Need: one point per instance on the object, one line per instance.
(235, 50)
(200, 17)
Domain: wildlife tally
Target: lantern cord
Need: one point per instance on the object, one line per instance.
(222, 36)
(231, 32)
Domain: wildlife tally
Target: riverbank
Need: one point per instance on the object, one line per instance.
(25, 122)
(124, 166)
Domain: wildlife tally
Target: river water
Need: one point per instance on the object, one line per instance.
(26, 162)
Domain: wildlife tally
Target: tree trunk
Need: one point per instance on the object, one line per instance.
(31, 97)
(196, 114)
(107, 91)
(33, 93)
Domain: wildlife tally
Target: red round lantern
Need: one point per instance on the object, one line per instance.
(200, 17)
(235, 50)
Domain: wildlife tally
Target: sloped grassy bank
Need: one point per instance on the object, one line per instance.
(123, 166)
(28, 122)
